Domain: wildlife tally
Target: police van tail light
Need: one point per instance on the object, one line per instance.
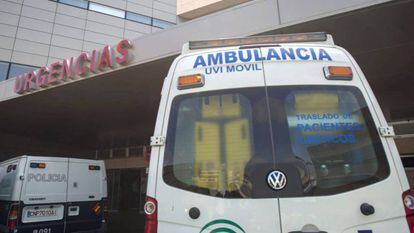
(338, 72)
(408, 200)
(106, 209)
(150, 209)
(96, 209)
(190, 81)
(13, 216)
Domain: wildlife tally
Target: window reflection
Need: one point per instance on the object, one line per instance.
(138, 18)
(78, 3)
(4, 68)
(16, 69)
(161, 23)
(106, 10)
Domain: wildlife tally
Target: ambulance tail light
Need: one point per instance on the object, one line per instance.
(255, 40)
(190, 81)
(13, 216)
(408, 200)
(338, 72)
(150, 209)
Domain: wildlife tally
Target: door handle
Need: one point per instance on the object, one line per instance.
(194, 213)
(367, 209)
(73, 211)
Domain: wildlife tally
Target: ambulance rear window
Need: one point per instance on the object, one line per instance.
(225, 143)
(327, 134)
(213, 141)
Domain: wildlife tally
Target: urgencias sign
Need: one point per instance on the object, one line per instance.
(73, 68)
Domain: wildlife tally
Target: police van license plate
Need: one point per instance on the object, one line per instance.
(43, 212)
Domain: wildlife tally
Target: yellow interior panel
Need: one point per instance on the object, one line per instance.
(316, 103)
(211, 107)
(238, 151)
(231, 106)
(221, 106)
(207, 160)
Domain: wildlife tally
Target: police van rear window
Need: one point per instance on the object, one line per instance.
(8, 174)
(225, 143)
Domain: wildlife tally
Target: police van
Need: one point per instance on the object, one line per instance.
(52, 195)
(278, 134)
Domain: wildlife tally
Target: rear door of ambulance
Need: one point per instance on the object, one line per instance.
(10, 188)
(340, 173)
(43, 198)
(86, 195)
(212, 170)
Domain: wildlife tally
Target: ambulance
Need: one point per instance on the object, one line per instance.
(273, 134)
(52, 195)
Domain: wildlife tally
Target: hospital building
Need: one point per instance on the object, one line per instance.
(108, 112)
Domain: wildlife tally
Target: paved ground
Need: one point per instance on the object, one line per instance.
(126, 222)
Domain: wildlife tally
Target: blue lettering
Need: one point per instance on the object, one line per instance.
(304, 55)
(249, 67)
(199, 62)
(230, 57)
(258, 56)
(239, 68)
(328, 138)
(272, 53)
(209, 70)
(313, 54)
(218, 69)
(323, 54)
(299, 127)
(231, 68)
(245, 59)
(289, 53)
(214, 59)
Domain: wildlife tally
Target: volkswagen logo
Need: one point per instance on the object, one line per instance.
(276, 180)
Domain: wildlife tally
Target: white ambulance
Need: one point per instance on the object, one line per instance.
(52, 195)
(277, 134)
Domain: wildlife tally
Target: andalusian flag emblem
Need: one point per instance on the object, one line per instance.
(222, 226)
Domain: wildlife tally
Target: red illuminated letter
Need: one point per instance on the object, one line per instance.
(81, 69)
(41, 79)
(67, 69)
(29, 83)
(122, 48)
(55, 70)
(105, 60)
(19, 84)
(94, 59)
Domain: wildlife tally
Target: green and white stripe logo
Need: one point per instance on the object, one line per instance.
(222, 226)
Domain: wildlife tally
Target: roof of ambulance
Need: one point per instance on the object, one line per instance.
(44, 158)
(329, 43)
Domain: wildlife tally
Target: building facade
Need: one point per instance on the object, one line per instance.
(35, 33)
(110, 115)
